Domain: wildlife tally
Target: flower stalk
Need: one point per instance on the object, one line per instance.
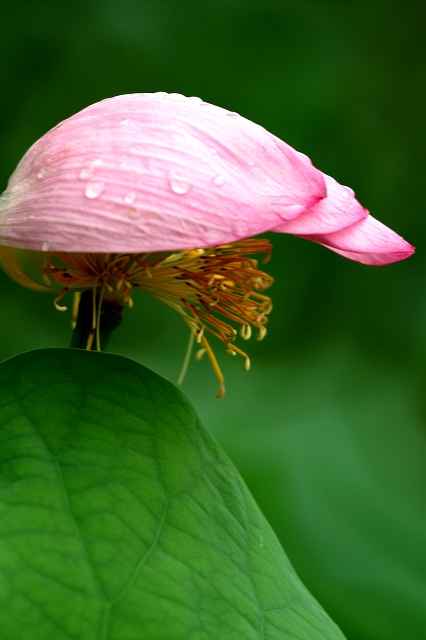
(107, 314)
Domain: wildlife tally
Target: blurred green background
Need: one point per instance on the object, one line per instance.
(329, 427)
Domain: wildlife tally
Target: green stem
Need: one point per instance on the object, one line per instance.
(110, 317)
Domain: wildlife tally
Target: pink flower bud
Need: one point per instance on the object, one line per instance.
(161, 172)
(162, 193)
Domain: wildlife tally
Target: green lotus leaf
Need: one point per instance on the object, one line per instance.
(122, 519)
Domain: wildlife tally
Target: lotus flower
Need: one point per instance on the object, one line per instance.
(164, 193)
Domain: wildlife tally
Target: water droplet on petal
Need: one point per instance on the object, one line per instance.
(130, 197)
(213, 151)
(212, 235)
(135, 213)
(347, 192)
(294, 209)
(42, 173)
(303, 156)
(218, 180)
(87, 173)
(240, 228)
(45, 246)
(93, 189)
(179, 185)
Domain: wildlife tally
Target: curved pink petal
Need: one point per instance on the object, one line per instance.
(338, 210)
(367, 241)
(154, 172)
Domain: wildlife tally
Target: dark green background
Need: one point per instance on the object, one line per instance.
(328, 428)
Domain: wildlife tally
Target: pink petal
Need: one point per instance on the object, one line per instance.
(338, 210)
(154, 172)
(367, 241)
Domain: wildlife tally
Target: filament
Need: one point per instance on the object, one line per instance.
(213, 289)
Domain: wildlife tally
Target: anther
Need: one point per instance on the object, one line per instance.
(245, 332)
(261, 334)
(59, 297)
(221, 391)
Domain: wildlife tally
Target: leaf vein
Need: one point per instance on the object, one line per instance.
(144, 558)
(68, 507)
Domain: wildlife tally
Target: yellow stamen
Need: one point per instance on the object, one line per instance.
(59, 297)
(245, 331)
(215, 366)
(213, 289)
(98, 319)
(186, 358)
(75, 306)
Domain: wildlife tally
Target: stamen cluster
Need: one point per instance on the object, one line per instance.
(210, 288)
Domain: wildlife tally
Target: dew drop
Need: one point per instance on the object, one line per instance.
(45, 246)
(130, 197)
(179, 185)
(42, 173)
(213, 235)
(240, 229)
(303, 156)
(175, 96)
(213, 151)
(294, 209)
(93, 189)
(347, 192)
(87, 173)
(135, 213)
(218, 180)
